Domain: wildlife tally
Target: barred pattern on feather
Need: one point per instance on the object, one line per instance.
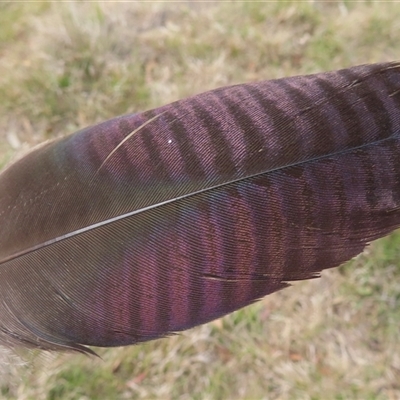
(153, 223)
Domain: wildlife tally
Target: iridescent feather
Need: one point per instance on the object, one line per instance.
(153, 223)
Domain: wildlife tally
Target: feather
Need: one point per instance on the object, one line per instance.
(153, 223)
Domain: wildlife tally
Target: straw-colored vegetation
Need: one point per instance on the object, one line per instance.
(64, 66)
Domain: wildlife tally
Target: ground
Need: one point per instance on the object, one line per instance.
(64, 66)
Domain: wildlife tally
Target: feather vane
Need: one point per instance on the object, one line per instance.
(153, 223)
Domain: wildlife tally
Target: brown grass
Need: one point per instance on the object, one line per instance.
(64, 66)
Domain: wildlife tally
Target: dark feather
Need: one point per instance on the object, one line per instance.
(153, 223)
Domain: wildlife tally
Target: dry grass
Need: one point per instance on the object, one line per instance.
(67, 65)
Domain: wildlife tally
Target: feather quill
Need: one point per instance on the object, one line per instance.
(153, 223)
